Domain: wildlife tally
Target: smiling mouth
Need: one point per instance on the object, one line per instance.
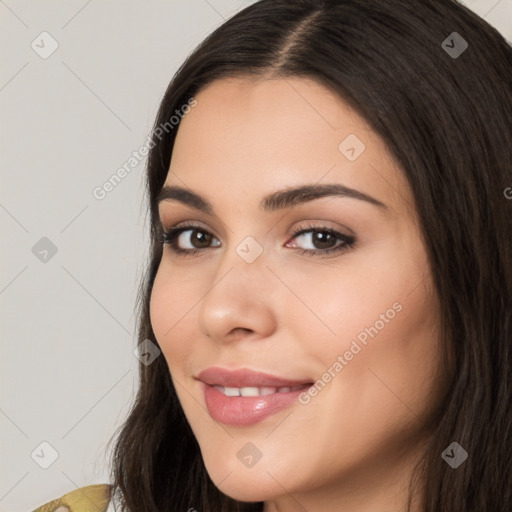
(248, 380)
(259, 391)
(248, 405)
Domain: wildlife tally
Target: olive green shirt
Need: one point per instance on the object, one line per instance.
(92, 498)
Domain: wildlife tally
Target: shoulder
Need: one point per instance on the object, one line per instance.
(92, 498)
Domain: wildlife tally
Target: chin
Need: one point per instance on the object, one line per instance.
(244, 484)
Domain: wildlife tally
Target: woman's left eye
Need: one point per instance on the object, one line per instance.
(325, 239)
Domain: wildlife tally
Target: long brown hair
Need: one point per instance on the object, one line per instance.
(446, 118)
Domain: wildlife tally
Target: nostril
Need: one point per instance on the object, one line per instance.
(240, 330)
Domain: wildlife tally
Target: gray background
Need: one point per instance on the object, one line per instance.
(68, 122)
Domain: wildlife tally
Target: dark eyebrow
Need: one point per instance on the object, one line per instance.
(275, 201)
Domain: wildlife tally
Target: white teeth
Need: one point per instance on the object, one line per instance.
(249, 392)
(255, 391)
(232, 391)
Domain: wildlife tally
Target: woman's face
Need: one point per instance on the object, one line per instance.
(359, 322)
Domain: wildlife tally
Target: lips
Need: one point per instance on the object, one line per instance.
(245, 397)
(217, 376)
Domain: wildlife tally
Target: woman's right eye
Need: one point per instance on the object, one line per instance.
(178, 236)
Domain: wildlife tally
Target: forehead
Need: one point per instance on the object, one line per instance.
(259, 135)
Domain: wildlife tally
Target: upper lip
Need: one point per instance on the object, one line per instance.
(244, 377)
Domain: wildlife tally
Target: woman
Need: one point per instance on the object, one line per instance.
(331, 267)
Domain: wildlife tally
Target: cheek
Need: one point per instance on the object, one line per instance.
(391, 348)
(385, 386)
(161, 315)
(379, 314)
(360, 296)
(171, 305)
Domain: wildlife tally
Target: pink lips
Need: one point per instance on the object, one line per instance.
(246, 410)
(245, 378)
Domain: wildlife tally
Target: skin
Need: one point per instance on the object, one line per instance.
(352, 447)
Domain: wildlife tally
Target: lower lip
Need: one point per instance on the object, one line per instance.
(245, 410)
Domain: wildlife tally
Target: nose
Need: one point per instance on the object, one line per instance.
(239, 302)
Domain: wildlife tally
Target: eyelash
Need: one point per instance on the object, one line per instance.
(169, 237)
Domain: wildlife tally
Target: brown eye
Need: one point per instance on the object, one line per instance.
(179, 238)
(323, 240)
